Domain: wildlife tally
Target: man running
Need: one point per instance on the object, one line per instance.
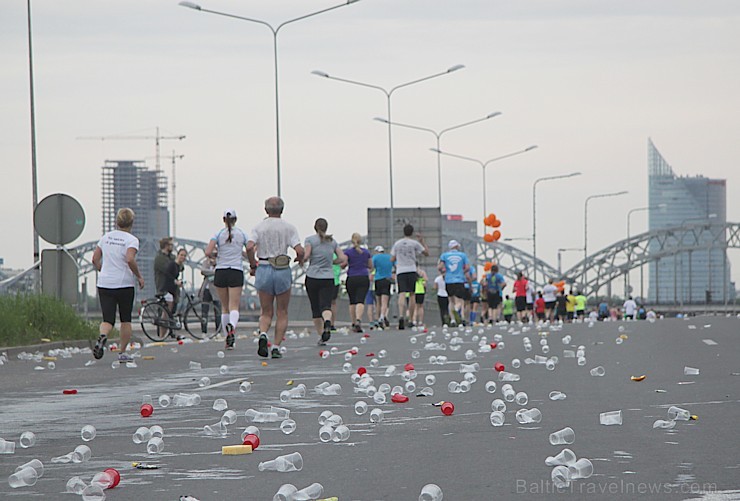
(455, 264)
(405, 254)
(383, 272)
(266, 250)
(494, 287)
(549, 294)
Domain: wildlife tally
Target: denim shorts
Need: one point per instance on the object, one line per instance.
(271, 281)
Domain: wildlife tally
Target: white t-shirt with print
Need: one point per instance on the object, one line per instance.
(274, 236)
(115, 273)
(405, 251)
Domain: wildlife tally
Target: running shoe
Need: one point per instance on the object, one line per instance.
(99, 348)
(401, 323)
(124, 358)
(327, 331)
(358, 326)
(262, 346)
(230, 337)
(386, 322)
(276, 353)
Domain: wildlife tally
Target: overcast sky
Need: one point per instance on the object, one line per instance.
(588, 81)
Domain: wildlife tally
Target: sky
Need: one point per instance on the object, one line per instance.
(587, 81)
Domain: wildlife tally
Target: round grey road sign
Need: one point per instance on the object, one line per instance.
(59, 219)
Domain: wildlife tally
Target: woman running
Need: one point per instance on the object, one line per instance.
(115, 259)
(320, 250)
(359, 266)
(228, 279)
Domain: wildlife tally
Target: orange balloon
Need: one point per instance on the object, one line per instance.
(492, 216)
(487, 221)
(496, 235)
(488, 237)
(487, 267)
(496, 223)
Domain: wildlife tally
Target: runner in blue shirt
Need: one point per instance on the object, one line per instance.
(383, 272)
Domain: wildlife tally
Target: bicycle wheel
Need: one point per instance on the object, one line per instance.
(202, 320)
(155, 321)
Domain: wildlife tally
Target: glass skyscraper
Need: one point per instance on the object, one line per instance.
(701, 274)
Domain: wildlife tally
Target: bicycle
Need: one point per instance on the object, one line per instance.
(158, 322)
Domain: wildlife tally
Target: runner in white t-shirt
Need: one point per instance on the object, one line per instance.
(443, 300)
(115, 259)
(630, 308)
(404, 255)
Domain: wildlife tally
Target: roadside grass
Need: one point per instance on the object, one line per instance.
(27, 319)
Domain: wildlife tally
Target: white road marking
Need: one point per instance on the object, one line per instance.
(710, 342)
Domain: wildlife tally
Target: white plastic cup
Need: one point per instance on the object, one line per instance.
(164, 401)
(81, 454)
(611, 418)
(490, 386)
(220, 404)
(341, 433)
(678, 414)
(521, 398)
(75, 485)
(498, 405)
(360, 407)
(516, 363)
(564, 436)
(245, 387)
(25, 477)
(141, 435)
(155, 445)
(508, 392)
(598, 371)
(583, 468)
(497, 418)
(431, 492)
(229, 417)
(313, 491)
(88, 432)
(28, 439)
(157, 431)
(566, 457)
(7, 447)
(326, 432)
(204, 381)
(376, 415)
(287, 426)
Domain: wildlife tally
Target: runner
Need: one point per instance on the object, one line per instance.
(549, 294)
(455, 264)
(419, 294)
(580, 305)
(494, 287)
(320, 251)
(508, 309)
(561, 309)
(630, 308)
(359, 266)
(531, 296)
(404, 255)
(475, 290)
(443, 300)
(115, 259)
(270, 265)
(383, 272)
(370, 302)
(570, 306)
(520, 296)
(229, 276)
(539, 307)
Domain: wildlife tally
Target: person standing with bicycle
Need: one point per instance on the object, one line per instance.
(115, 259)
(229, 276)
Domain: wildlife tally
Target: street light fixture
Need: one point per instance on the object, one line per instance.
(484, 164)
(388, 94)
(438, 136)
(534, 213)
(275, 30)
(629, 254)
(585, 228)
(560, 257)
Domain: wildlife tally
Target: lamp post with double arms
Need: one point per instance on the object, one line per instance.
(275, 30)
(585, 229)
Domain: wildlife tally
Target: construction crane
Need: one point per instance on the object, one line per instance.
(157, 138)
(174, 157)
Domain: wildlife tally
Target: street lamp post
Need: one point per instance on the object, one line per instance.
(484, 164)
(629, 254)
(275, 30)
(34, 175)
(534, 213)
(560, 257)
(585, 228)
(438, 136)
(389, 94)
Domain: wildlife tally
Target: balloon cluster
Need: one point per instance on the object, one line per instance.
(490, 220)
(487, 267)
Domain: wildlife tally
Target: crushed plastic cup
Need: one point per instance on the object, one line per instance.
(287, 426)
(598, 371)
(690, 371)
(678, 414)
(376, 415)
(67, 458)
(497, 418)
(583, 468)
(155, 445)
(566, 457)
(565, 436)
(527, 416)
(566, 339)
(75, 485)
(7, 447)
(24, 477)
(88, 432)
(521, 398)
(28, 439)
(557, 395)
(560, 477)
(508, 376)
(286, 463)
(611, 418)
(498, 405)
(245, 387)
(340, 434)
(194, 365)
(664, 424)
(453, 387)
(310, 493)
(164, 401)
(204, 381)
(360, 407)
(425, 392)
(474, 367)
(141, 435)
(431, 492)
(380, 398)
(285, 493)
(81, 454)
(93, 493)
(220, 404)
(216, 429)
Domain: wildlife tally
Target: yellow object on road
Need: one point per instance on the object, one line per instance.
(49, 359)
(235, 450)
(638, 378)
(148, 357)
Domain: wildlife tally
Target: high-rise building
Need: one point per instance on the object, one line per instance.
(699, 275)
(129, 183)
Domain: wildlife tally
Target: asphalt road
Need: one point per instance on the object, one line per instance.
(415, 444)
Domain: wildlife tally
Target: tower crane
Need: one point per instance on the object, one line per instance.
(157, 139)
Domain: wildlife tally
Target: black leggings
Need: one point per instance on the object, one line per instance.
(320, 291)
(444, 307)
(357, 288)
(110, 299)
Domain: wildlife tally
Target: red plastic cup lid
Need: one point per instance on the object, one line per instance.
(399, 398)
(448, 408)
(252, 440)
(408, 367)
(499, 366)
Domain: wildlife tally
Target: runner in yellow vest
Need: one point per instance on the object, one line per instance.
(419, 292)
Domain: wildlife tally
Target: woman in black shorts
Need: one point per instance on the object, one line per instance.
(115, 259)
(359, 266)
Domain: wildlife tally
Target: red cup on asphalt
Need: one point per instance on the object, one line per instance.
(146, 410)
(493, 346)
(499, 366)
(114, 475)
(252, 440)
(361, 370)
(69, 392)
(353, 352)
(448, 408)
(399, 398)
(408, 367)
(371, 354)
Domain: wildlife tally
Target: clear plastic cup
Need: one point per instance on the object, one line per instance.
(245, 387)
(376, 415)
(508, 376)
(287, 426)
(28, 439)
(229, 417)
(220, 404)
(67, 458)
(508, 392)
(431, 492)
(223, 370)
(326, 432)
(24, 477)
(155, 445)
(164, 401)
(379, 398)
(93, 493)
(360, 407)
(141, 435)
(286, 463)
(664, 425)
(157, 431)
(528, 416)
(581, 361)
(564, 436)
(410, 386)
(516, 363)
(557, 395)
(341, 433)
(425, 392)
(611, 418)
(690, 371)
(583, 468)
(285, 493)
(7, 447)
(313, 491)
(88, 432)
(560, 477)
(324, 416)
(490, 386)
(521, 398)
(498, 405)
(465, 386)
(75, 485)
(204, 381)
(678, 414)
(194, 365)
(598, 371)
(81, 454)
(250, 430)
(497, 418)
(566, 457)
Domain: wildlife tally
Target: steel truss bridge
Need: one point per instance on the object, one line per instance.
(597, 271)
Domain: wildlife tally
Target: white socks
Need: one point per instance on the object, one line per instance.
(224, 321)
(234, 317)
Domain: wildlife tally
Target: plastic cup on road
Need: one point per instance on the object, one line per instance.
(194, 365)
(220, 404)
(508, 376)
(376, 415)
(379, 398)
(497, 418)
(141, 435)
(498, 405)
(286, 463)
(583, 468)
(287, 426)
(508, 392)
(223, 370)
(598, 371)
(465, 386)
(23, 478)
(81, 454)
(36, 464)
(204, 381)
(75, 485)
(326, 432)
(360, 407)
(611, 418)
(88, 432)
(341, 433)
(557, 395)
(410, 386)
(490, 386)
(521, 398)
(285, 493)
(250, 430)
(431, 492)
(93, 493)
(324, 416)
(155, 445)
(157, 431)
(516, 363)
(566, 457)
(528, 416)
(28, 439)
(229, 417)
(313, 491)
(245, 387)
(564, 436)
(664, 425)
(690, 371)
(6, 447)
(678, 414)
(581, 361)
(453, 387)
(164, 401)
(560, 476)
(67, 458)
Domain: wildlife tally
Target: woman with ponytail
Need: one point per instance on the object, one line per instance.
(230, 242)
(360, 264)
(320, 250)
